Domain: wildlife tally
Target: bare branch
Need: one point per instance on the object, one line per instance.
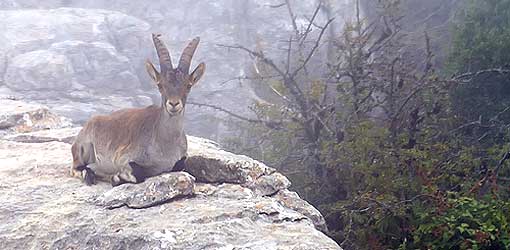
(255, 54)
(225, 111)
(317, 43)
(276, 5)
(505, 157)
(490, 176)
(469, 76)
(280, 94)
(310, 23)
(288, 81)
(292, 17)
(240, 78)
(289, 50)
(428, 69)
(496, 117)
(270, 124)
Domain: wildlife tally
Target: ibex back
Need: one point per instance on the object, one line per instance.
(132, 144)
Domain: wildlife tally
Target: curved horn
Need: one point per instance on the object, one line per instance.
(165, 62)
(187, 54)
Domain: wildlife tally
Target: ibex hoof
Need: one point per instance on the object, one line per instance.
(122, 178)
(89, 177)
(116, 181)
(180, 165)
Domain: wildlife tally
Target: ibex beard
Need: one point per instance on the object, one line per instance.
(130, 145)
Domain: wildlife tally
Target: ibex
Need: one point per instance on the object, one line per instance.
(130, 145)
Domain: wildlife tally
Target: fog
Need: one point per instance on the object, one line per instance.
(86, 57)
(354, 124)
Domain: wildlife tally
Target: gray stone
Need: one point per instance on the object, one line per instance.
(151, 192)
(208, 163)
(82, 106)
(90, 57)
(270, 184)
(39, 70)
(18, 116)
(66, 135)
(96, 65)
(293, 201)
(64, 64)
(224, 190)
(44, 208)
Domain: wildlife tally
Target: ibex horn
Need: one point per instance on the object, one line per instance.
(165, 62)
(187, 54)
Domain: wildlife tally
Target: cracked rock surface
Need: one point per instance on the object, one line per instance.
(226, 201)
(152, 192)
(21, 117)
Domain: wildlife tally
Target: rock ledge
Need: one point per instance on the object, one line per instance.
(226, 201)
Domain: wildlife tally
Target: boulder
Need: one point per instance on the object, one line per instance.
(82, 44)
(210, 164)
(39, 70)
(66, 135)
(152, 192)
(81, 107)
(69, 55)
(18, 116)
(231, 202)
(71, 65)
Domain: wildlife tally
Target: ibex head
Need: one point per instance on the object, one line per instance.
(174, 84)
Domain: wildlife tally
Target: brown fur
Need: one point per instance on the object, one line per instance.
(128, 124)
(131, 144)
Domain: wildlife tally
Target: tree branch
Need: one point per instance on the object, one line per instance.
(471, 75)
(270, 124)
(310, 23)
(255, 54)
(316, 45)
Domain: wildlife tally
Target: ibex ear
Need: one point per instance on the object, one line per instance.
(153, 72)
(197, 73)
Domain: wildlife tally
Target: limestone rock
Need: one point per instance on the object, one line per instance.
(81, 106)
(39, 70)
(66, 56)
(66, 135)
(44, 208)
(151, 192)
(17, 116)
(208, 163)
(70, 64)
(270, 184)
(292, 200)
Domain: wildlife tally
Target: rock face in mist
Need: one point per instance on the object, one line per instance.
(103, 45)
(76, 61)
(66, 48)
(223, 201)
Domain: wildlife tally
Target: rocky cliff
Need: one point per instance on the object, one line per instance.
(79, 62)
(222, 201)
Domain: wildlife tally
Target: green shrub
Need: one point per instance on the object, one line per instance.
(462, 223)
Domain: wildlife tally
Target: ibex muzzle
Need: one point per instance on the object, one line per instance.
(132, 144)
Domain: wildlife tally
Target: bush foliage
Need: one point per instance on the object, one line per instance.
(393, 153)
